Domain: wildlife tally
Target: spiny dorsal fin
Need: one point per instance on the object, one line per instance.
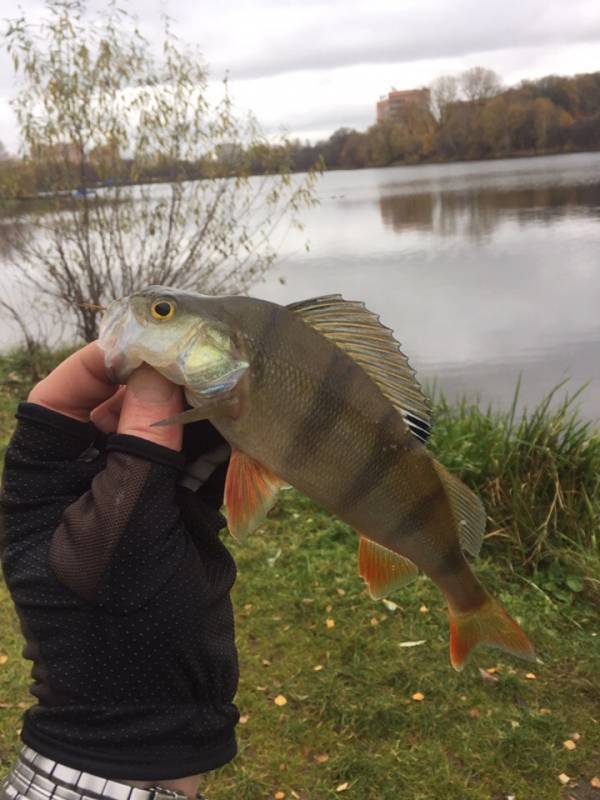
(467, 510)
(358, 332)
(383, 570)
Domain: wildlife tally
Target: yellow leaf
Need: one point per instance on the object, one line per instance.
(374, 621)
(279, 795)
(341, 592)
(531, 676)
(318, 668)
(244, 719)
(280, 700)
(321, 758)
(564, 778)
(569, 744)
(418, 696)
(575, 736)
(3, 659)
(330, 623)
(342, 787)
(595, 782)
(424, 610)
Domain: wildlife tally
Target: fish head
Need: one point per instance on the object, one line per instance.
(183, 335)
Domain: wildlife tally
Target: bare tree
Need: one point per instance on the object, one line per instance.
(479, 84)
(99, 113)
(444, 91)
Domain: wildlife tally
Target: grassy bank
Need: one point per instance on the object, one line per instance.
(345, 697)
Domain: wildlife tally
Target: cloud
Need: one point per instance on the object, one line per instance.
(311, 66)
(318, 36)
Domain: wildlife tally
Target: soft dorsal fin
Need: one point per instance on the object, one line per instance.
(467, 510)
(358, 332)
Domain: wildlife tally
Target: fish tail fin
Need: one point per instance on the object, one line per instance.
(488, 624)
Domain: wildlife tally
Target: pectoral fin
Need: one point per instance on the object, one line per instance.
(250, 492)
(216, 406)
(383, 570)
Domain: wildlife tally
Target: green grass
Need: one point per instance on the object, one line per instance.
(349, 716)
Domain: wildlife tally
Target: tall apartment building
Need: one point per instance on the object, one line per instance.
(396, 104)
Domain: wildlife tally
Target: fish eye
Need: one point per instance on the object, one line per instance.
(162, 310)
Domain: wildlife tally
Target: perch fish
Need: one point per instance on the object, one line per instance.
(317, 395)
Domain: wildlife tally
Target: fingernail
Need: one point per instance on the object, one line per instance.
(149, 386)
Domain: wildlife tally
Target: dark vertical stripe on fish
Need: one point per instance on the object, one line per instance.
(266, 345)
(424, 508)
(314, 427)
(268, 338)
(381, 460)
(451, 563)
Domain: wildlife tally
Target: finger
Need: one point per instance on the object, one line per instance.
(77, 385)
(106, 416)
(149, 398)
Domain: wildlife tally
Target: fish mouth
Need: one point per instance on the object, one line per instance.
(118, 333)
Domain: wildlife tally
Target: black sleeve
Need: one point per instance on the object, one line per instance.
(116, 530)
(122, 586)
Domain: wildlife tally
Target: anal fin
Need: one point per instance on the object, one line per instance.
(250, 493)
(383, 570)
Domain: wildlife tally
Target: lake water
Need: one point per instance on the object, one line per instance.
(485, 270)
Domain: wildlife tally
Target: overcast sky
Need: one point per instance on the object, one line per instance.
(313, 66)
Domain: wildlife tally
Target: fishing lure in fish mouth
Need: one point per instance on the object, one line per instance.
(318, 395)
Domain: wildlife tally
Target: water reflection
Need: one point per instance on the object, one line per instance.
(484, 270)
(477, 212)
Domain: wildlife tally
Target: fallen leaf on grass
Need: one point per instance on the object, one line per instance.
(487, 676)
(531, 676)
(330, 623)
(474, 713)
(374, 621)
(424, 610)
(244, 719)
(3, 659)
(279, 795)
(390, 605)
(595, 782)
(411, 644)
(342, 787)
(575, 736)
(418, 696)
(280, 700)
(564, 778)
(321, 758)
(318, 668)
(569, 744)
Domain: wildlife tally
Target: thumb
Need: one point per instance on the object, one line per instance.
(149, 398)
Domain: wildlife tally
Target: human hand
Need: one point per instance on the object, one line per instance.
(81, 388)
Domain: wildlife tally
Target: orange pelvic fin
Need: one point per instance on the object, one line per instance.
(250, 492)
(489, 624)
(382, 569)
